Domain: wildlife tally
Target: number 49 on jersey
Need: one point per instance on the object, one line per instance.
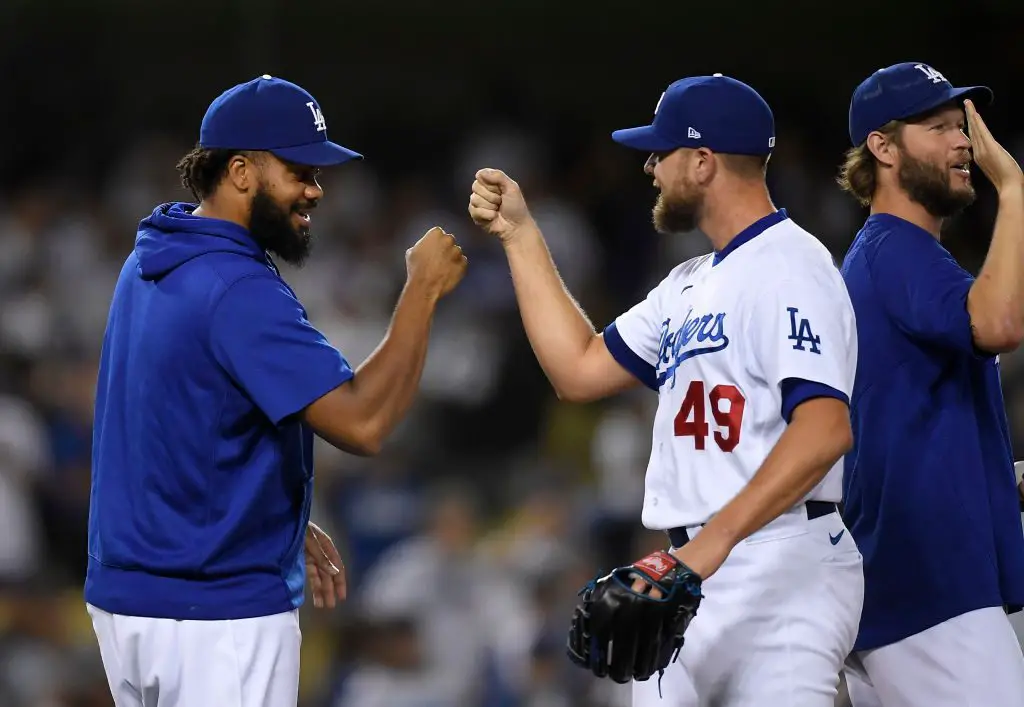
(726, 403)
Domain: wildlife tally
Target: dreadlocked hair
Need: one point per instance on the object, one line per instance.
(201, 169)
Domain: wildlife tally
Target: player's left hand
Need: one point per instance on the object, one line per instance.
(993, 159)
(704, 558)
(631, 635)
(324, 568)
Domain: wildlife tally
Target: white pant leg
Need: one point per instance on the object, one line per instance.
(121, 678)
(972, 660)
(776, 624)
(858, 684)
(168, 663)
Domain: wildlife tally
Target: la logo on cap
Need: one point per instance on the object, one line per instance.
(932, 75)
(318, 117)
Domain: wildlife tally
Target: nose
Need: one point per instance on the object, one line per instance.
(650, 164)
(961, 141)
(314, 192)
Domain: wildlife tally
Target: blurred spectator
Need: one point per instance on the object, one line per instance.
(467, 540)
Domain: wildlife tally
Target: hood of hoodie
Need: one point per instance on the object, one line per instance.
(171, 236)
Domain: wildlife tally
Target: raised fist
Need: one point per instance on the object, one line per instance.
(436, 261)
(497, 204)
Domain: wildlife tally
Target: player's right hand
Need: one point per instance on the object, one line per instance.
(997, 164)
(436, 262)
(496, 204)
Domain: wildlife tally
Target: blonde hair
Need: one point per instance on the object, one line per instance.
(858, 173)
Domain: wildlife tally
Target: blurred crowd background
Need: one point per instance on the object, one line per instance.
(467, 539)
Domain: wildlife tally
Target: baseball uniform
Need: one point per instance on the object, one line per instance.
(732, 342)
(202, 473)
(930, 491)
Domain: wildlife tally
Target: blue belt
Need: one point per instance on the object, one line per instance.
(815, 509)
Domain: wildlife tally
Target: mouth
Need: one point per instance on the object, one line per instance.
(303, 215)
(963, 168)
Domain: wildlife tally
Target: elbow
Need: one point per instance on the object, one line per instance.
(1000, 336)
(1009, 336)
(368, 443)
(368, 449)
(840, 430)
(362, 442)
(840, 437)
(567, 395)
(573, 393)
(996, 323)
(844, 439)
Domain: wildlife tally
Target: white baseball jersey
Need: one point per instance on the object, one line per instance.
(732, 342)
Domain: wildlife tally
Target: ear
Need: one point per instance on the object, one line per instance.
(704, 165)
(242, 173)
(883, 147)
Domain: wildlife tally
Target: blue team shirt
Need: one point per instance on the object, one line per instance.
(202, 473)
(929, 488)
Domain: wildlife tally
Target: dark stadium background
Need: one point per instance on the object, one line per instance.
(467, 539)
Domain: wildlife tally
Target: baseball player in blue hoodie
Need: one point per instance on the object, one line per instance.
(212, 383)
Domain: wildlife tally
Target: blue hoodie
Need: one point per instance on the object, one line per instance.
(202, 472)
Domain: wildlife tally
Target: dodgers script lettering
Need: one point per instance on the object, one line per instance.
(698, 335)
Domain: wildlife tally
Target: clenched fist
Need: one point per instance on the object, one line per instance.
(436, 262)
(997, 164)
(497, 204)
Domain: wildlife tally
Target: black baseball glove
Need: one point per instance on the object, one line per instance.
(627, 635)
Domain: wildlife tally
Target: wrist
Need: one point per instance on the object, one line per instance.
(521, 232)
(419, 291)
(721, 536)
(1011, 191)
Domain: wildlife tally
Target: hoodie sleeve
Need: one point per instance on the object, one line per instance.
(262, 338)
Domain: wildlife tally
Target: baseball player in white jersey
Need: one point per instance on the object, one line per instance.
(752, 349)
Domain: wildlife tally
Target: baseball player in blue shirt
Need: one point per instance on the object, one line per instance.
(929, 489)
(212, 383)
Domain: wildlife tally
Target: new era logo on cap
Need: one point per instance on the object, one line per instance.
(903, 91)
(273, 115)
(732, 115)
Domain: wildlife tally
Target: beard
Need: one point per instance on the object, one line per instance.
(931, 187)
(676, 214)
(271, 227)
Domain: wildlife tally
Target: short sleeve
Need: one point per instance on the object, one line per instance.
(262, 338)
(808, 339)
(924, 290)
(634, 339)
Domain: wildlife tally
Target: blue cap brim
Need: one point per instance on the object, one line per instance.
(643, 138)
(317, 154)
(981, 95)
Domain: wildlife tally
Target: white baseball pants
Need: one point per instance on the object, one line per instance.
(971, 660)
(776, 623)
(170, 663)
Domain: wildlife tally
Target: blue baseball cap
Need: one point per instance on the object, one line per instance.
(272, 115)
(716, 112)
(903, 91)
